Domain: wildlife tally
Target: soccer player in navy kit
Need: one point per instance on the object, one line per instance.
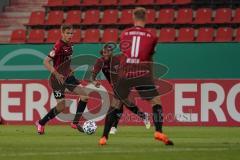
(62, 79)
(105, 64)
(135, 71)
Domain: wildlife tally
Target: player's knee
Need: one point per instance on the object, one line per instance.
(116, 103)
(156, 100)
(84, 98)
(61, 106)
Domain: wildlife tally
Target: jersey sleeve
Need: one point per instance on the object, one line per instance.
(55, 51)
(97, 66)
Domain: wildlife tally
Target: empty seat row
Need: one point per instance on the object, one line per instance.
(224, 34)
(164, 16)
(57, 3)
(90, 35)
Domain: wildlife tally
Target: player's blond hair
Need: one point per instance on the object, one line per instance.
(139, 13)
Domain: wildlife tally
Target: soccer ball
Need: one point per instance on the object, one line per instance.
(89, 127)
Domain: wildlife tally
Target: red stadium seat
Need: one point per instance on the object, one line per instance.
(203, 16)
(18, 36)
(237, 38)
(55, 3)
(205, 35)
(110, 35)
(164, 2)
(36, 36)
(184, 16)
(37, 18)
(152, 30)
(55, 18)
(91, 36)
(151, 14)
(76, 36)
(90, 2)
(186, 35)
(144, 2)
(73, 17)
(182, 1)
(167, 35)
(110, 17)
(53, 35)
(91, 17)
(236, 18)
(126, 17)
(108, 2)
(166, 16)
(224, 34)
(72, 3)
(223, 15)
(126, 2)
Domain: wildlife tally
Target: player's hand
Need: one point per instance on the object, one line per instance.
(59, 77)
(96, 83)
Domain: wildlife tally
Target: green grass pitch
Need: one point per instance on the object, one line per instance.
(63, 143)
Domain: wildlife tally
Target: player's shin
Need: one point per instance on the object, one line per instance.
(80, 109)
(50, 115)
(109, 120)
(157, 117)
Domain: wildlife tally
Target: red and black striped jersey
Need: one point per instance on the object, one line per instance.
(61, 55)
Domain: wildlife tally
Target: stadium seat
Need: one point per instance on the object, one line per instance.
(91, 17)
(108, 2)
(126, 17)
(184, 16)
(203, 16)
(186, 35)
(73, 17)
(76, 36)
(224, 34)
(91, 36)
(55, 3)
(18, 36)
(205, 35)
(166, 16)
(110, 35)
(237, 37)
(182, 1)
(167, 35)
(126, 2)
(53, 35)
(223, 15)
(54, 18)
(151, 14)
(72, 3)
(110, 17)
(90, 2)
(152, 30)
(144, 2)
(163, 2)
(37, 18)
(36, 36)
(236, 18)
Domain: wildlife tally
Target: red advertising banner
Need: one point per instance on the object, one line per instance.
(190, 102)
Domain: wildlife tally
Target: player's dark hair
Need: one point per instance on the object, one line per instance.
(139, 13)
(106, 47)
(65, 27)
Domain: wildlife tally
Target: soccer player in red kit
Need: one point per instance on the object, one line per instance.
(58, 63)
(105, 64)
(135, 71)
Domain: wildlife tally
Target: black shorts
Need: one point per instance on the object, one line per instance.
(59, 89)
(144, 85)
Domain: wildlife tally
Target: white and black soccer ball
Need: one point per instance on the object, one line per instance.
(89, 127)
